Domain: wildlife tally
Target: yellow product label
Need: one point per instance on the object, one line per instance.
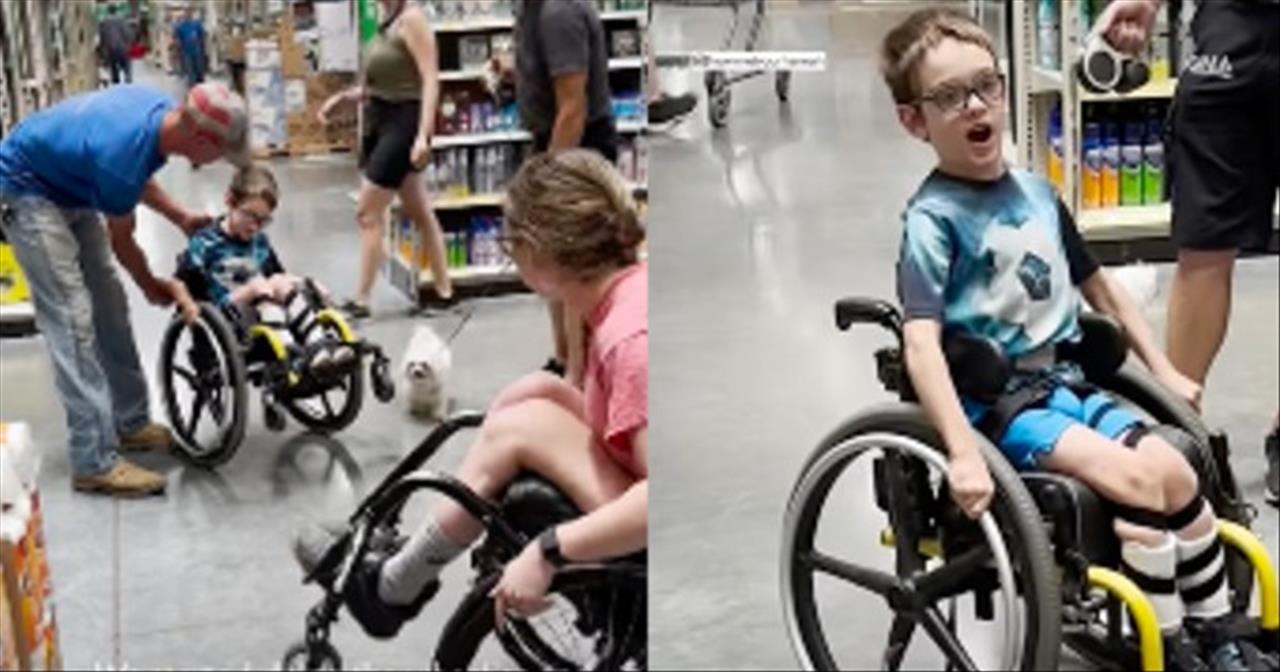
(13, 284)
(1055, 171)
(1091, 189)
(1110, 187)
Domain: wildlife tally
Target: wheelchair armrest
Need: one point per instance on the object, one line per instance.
(874, 311)
(1102, 349)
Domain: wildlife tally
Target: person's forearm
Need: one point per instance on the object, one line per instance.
(616, 529)
(933, 385)
(430, 99)
(155, 198)
(1111, 300)
(571, 121)
(127, 252)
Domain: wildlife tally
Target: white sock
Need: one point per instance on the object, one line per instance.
(1153, 568)
(1202, 577)
(408, 572)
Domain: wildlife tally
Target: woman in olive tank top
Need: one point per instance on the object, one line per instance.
(400, 91)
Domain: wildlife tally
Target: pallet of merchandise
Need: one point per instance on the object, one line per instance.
(316, 149)
(268, 152)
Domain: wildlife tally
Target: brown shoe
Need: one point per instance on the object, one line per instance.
(122, 480)
(151, 437)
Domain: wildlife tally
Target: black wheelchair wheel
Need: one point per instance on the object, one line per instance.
(328, 407)
(1006, 557)
(320, 656)
(205, 387)
(719, 98)
(597, 621)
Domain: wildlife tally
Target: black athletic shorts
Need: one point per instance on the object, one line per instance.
(390, 129)
(1224, 144)
(600, 135)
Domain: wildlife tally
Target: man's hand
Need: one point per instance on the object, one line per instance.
(1127, 23)
(191, 222)
(1181, 386)
(160, 292)
(970, 482)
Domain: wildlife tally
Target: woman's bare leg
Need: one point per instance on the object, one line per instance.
(417, 205)
(371, 216)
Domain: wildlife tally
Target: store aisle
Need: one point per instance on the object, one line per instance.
(207, 570)
(757, 230)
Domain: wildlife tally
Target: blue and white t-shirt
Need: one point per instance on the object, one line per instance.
(998, 259)
(225, 263)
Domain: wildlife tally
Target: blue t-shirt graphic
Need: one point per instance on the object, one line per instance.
(999, 259)
(95, 150)
(225, 263)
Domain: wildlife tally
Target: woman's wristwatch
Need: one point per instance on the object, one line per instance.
(549, 544)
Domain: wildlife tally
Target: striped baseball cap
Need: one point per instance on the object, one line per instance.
(218, 112)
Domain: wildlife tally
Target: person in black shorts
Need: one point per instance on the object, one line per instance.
(1224, 166)
(561, 82)
(401, 88)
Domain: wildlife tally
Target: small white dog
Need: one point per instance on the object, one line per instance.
(427, 362)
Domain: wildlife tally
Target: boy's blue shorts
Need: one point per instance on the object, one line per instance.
(1036, 431)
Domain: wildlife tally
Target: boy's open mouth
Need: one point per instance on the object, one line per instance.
(980, 133)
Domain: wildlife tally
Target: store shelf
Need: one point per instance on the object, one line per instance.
(469, 202)
(1046, 81)
(17, 319)
(478, 275)
(629, 63)
(624, 15)
(1126, 222)
(631, 126)
(471, 139)
(474, 25)
(1152, 91)
(474, 74)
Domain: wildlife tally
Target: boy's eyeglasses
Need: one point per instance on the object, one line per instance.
(952, 98)
(263, 221)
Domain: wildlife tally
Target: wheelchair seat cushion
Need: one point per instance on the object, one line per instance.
(532, 504)
(1080, 519)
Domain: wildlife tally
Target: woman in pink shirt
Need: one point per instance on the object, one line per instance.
(574, 232)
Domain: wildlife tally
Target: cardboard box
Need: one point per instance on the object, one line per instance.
(28, 626)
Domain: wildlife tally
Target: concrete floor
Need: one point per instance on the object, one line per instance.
(756, 230)
(204, 577)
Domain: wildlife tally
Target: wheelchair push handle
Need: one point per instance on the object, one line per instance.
(858, 309)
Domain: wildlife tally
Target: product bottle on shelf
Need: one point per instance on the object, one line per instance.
(1054, 160)
(1091, 167)
(1048, 45)
(1153, 160)
(1131, 162)
(1110, 159)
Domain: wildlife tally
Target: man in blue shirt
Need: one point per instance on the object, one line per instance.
(59, 168)
(189, 34)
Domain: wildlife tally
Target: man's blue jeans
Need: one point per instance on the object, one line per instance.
(83, 314)
(193, 66)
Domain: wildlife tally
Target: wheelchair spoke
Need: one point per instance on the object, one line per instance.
(949, 579)
(946, 640)
(328, 408)
(187, 375)
(899, 639)
(197, 407)
(875, 581)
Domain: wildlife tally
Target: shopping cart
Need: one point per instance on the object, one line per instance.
(745, 34)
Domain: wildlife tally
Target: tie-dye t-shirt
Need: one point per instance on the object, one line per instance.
(997, 259)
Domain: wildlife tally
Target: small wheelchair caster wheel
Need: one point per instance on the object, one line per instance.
(272, 415)
(383, 387)
(318, 656)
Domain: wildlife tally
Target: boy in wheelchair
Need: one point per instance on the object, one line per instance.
(231, 264)
(574, 232)
(991, 253)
